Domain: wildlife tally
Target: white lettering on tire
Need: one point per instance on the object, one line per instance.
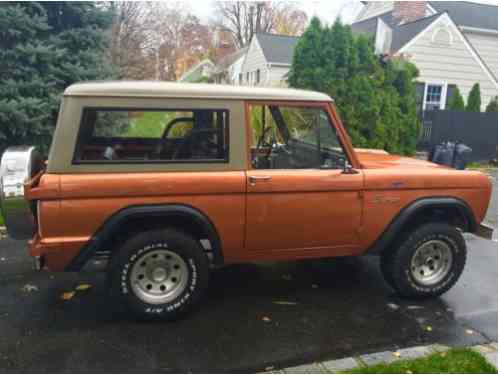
(172, 306)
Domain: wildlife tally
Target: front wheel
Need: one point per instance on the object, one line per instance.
(159, 274)
(427, 262)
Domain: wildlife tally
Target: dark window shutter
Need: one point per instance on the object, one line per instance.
(420, 88)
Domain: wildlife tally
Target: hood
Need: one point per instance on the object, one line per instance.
(384, 171)
(376, 160)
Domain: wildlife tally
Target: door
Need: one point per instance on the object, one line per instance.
(299, 195)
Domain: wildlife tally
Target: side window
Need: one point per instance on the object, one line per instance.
(139, 135)
(294, 138)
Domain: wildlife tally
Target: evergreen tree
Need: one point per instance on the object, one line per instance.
(307, 70)
(493, 105)
(44, 47)
(456, 102)
(376, 100)
(474, 99)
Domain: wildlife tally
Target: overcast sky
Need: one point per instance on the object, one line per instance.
(326, 10)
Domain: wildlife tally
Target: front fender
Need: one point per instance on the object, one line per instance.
(416, 207)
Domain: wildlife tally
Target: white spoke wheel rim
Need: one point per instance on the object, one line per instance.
(159, 276)
(431, 262)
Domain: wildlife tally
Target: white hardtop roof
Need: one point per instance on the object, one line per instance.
(189, 90)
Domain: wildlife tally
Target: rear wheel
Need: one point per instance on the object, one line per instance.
(427, 262)
(159, 274)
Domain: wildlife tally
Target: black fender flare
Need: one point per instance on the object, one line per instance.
(113, 223)
(397, 224)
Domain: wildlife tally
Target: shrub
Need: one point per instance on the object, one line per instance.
(474, 100)
(456, 102)
(493, 105)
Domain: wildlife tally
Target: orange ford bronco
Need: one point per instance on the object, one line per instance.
(169, 180)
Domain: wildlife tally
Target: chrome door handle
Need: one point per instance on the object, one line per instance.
(254, 179)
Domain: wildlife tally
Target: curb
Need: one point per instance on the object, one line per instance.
(488, 351)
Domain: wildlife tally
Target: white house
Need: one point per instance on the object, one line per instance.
(453, 43)
(200, 71)
(268, 60)
(228, 69)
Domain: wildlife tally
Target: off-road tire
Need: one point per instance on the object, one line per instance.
(396, 263)
(384, 268)
(174, 241)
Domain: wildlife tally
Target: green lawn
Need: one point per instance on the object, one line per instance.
(454, 361)
(1, 220)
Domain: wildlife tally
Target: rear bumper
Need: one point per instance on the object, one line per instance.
(484, 231)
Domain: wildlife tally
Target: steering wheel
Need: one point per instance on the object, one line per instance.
(167, 130)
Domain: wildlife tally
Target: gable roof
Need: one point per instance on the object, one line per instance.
(277, 49)
(464, 13)
(229, 59)
(402, 34)
(193, 72)
(465, 41)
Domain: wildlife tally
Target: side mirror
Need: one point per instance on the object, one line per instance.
(346, 167)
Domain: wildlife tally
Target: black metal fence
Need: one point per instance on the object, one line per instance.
(479, 131)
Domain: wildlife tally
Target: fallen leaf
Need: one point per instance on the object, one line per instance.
(314, 286)
(443, 354)
(414, 307)
(82, 287)
(429, 328)
(266, 319)
(393, 306)
(409, 372)
(285, 303)
(269, 368)
(469, 332)
(2, 259)
(66, 296)
(29, 288)
(397, 354)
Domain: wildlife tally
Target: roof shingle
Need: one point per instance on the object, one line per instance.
(464, 13)
(278, 49)
(402, 34)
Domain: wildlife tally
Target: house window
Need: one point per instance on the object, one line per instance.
(435, 96)
(258, 76)
(240, 78)
(247, 77)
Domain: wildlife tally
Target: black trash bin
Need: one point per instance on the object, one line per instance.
(461, 156)
(452, 154)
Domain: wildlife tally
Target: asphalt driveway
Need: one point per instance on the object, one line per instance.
(255, 316)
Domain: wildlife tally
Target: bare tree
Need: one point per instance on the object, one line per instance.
(245, 18)
(149, 39)
(178, 35)
(290, 21)
(131, 42)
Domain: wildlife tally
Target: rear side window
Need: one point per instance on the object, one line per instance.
(137, 135)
